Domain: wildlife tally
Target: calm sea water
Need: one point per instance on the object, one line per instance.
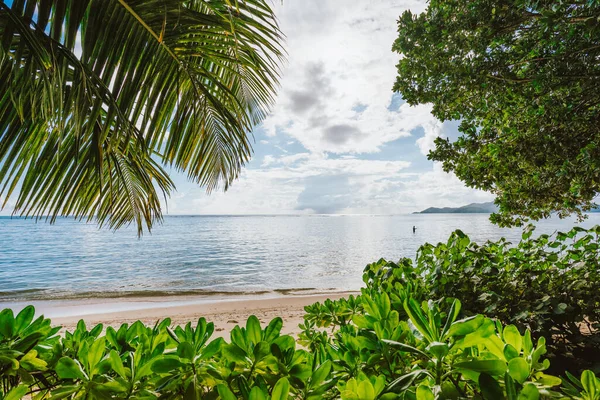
(215, 254)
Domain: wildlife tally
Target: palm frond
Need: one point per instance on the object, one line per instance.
(97, 96)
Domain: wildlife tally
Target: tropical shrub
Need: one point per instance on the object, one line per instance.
(430, 354)
(403, 337)
(549, 285)
(377, 355)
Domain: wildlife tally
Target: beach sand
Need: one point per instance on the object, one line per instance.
(225, 313)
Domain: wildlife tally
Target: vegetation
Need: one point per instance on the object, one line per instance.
(98, 97)
(523, 78)
(404, 337)
(549, 284)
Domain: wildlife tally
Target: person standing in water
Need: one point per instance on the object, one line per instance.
(414, 229)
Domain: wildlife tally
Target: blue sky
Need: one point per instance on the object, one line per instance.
(338, 140)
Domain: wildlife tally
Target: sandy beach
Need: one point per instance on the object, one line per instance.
(224, 312)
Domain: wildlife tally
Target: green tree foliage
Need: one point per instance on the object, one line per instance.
(523, 77)
(98, 97)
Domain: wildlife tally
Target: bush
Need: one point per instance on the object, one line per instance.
(402, 338)
(376, 355)
(549, 285)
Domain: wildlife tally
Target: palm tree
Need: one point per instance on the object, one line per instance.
(99, 97)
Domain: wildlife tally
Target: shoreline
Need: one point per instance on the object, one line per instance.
(224, 312)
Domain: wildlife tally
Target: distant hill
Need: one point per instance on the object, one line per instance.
(473, 208)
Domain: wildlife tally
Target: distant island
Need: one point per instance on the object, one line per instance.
(473, 208)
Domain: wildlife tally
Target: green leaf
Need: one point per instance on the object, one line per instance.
(518, 368)
(166, 365)
(185, 350)
(439, 350)
(253, 331)
(491, 367)
(225, 393)
(465, 326)
(281, 390)
(365, 390)
(529, 392)
(257, 394)
(406, 348)
(24, 318)
(548, 380)
(67, 368)
(418, 318)
(452, 315)
(273, 330)
(320, 374)
(513, 337)
(96, 352)
(590, 384)
(7, 323)
(510, 352)
(16, 393)
(233, 353)
(424, 393)
(490, 388)
(116, 363)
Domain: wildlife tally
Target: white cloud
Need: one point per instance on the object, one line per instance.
(432, 131)
(340, 57)
(317, 184)
(336, 98)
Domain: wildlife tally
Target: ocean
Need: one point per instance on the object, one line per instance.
(220, 255)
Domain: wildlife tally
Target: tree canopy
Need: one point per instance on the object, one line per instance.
(99, 97)
(523, 77)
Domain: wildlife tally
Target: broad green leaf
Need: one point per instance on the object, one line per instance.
(510, 352)
(418, 318)
(513, 337)
(67, 368)
(465, 326)
(116, 363)
(406, 348)
(253, 331)
(96, 353)
(281, 390)
(16, 393)
(7, 323)
(225, 393)
(590, 384)
(24, 318)
(529, 392)
(166, 364)
(320, 374)
(424, 393)
(185, 350)
(233, 353)
(490, 388)
(273, 330)
(547, 380)
(439, 350)
(365, 390)
(491, 367)
(257, 394)
(518, 368)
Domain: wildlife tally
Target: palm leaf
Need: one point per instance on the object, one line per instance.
(98, 96)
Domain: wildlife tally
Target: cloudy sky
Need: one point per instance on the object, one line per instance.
(339, 140)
